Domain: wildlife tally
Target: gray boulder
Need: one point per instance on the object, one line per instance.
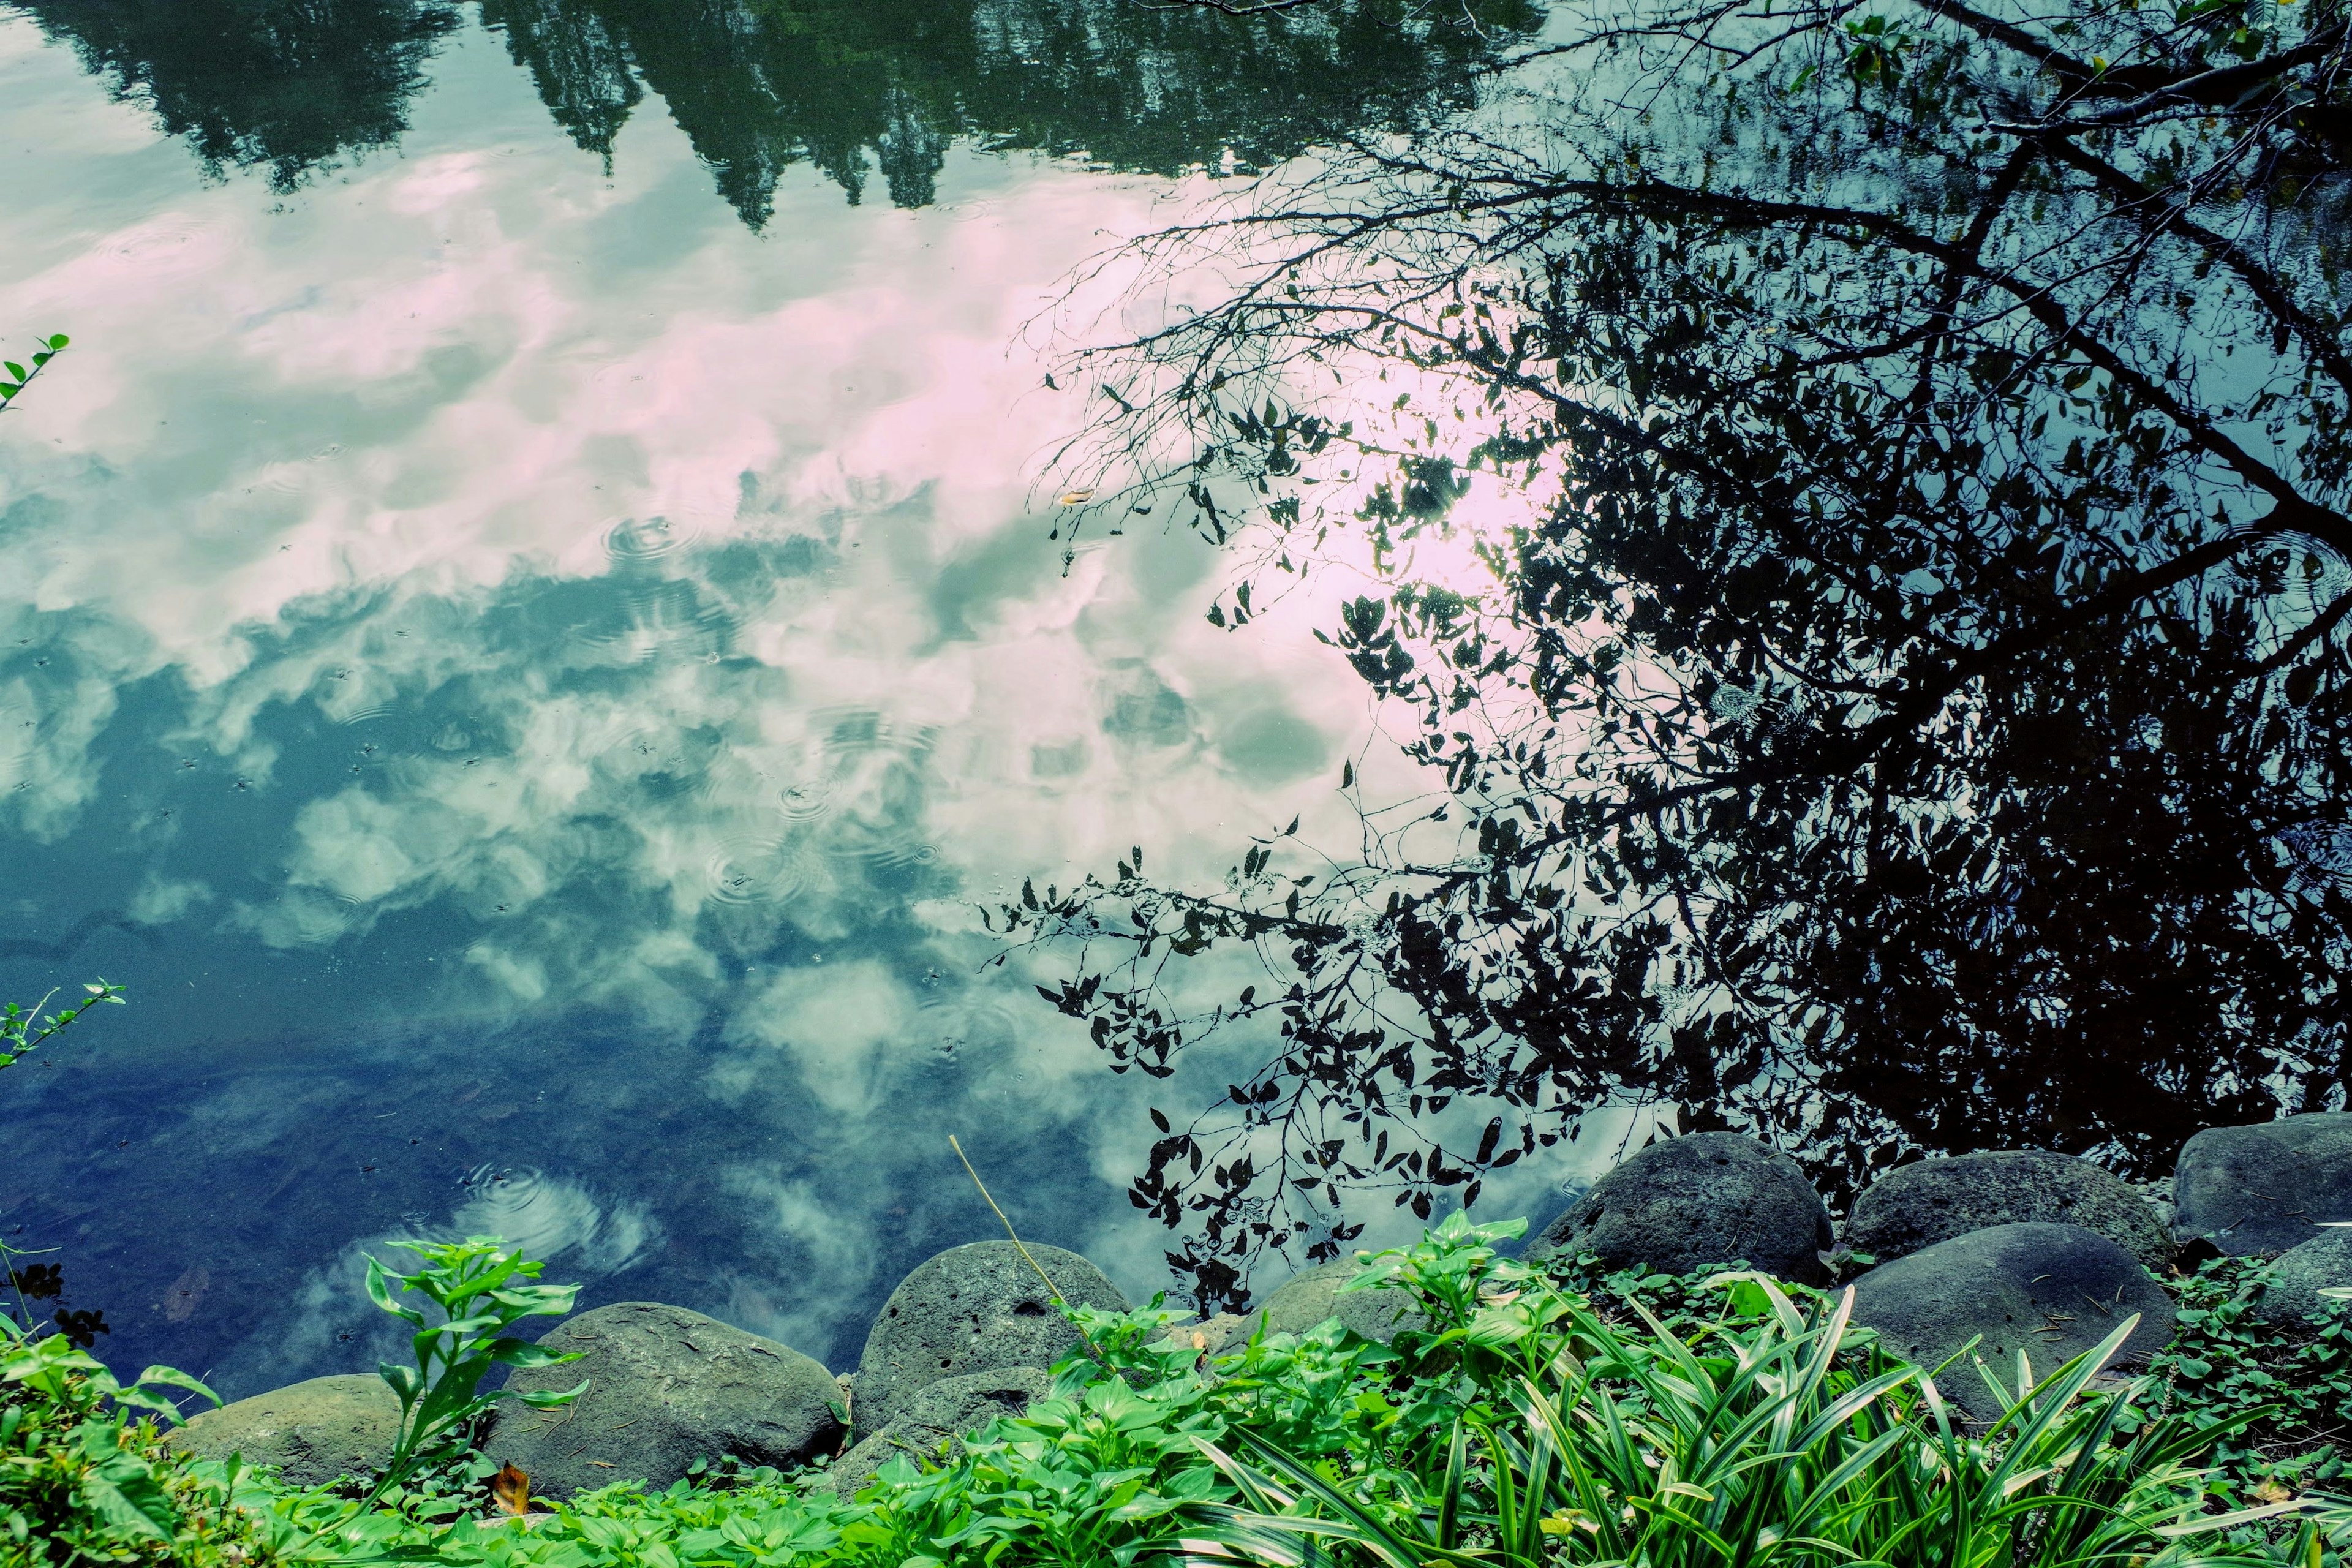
(313, 1432)
(666, 1386)
(938, 1420)
(1223, 1334)
(2292, 1295)
(1917, 1205)
(1306, 1300)
(978, 1308)
(2051, 1290)
(1690, 1201)
(2264, 1189)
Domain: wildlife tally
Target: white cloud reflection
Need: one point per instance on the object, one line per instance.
(626, 610)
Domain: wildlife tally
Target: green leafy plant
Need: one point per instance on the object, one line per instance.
(481, 1288)
(1085, 1478)
(84, 1477)
(1536, 1418)
(19, 376)
(1792, 1441)
(2297, 1379)
(22, 1031)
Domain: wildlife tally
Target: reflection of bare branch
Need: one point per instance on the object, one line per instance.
(1903, 484)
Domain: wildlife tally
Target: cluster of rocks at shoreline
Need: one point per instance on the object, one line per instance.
(2030, 1251)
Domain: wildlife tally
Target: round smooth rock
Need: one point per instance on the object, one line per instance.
(312, 1432)
(2301, 1273)
(2262, 1189)
(1919, 1204)
(2051, 1290)
(1223, 1334)
(1695, 1201)
(977, 1307)
(1306, 1300)
(665, 1387)
(940, 1418)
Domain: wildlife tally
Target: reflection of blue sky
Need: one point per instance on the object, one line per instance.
(529, 679)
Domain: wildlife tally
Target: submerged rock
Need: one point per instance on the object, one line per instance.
(2302, 1272)
(1919, 1204)
(666, 1386)
(2265, 1188)
(977, 1307)
(936, 1422)
(312, 1432)
(1694, 1201)
(2050, 1290)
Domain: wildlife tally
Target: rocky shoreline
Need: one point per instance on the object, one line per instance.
(2034, 1253)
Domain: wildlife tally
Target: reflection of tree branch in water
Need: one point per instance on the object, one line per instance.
(76, 934)
(1899, 694)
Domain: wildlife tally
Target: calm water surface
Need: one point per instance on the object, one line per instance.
(531, 623)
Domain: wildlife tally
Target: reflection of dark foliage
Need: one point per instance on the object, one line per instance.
(1912, 706)
(759, 85)
(38, 1281)
(850, 86)
(45, 1282)
(277, 85)
(582, 70)
(80, 1328)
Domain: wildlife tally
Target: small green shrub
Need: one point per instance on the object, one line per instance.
(24, 1030)
(84, 1477)
(2295, 1380)
(481, 1289)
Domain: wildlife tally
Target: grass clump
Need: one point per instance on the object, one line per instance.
(1782, 1434)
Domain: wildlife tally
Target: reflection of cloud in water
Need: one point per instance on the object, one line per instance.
(302, 917)
(616, 668)
(795, 1227)
(873, 772)
(558, 1220)
(326, 1319)
(839, 1025)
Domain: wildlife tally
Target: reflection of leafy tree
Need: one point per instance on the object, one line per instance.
(1914, 706)
(851, 86)
(280, 85)
(579, 62)
(855, 85)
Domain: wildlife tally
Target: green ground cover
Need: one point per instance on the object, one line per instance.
(1544, 1416)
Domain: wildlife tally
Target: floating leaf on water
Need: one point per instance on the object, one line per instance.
(1076, 497)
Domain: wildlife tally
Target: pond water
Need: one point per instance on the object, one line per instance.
(531, 624)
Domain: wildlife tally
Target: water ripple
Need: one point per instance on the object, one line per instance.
(876, 773)
(650, 538)
(752, 870)
(661, 762)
